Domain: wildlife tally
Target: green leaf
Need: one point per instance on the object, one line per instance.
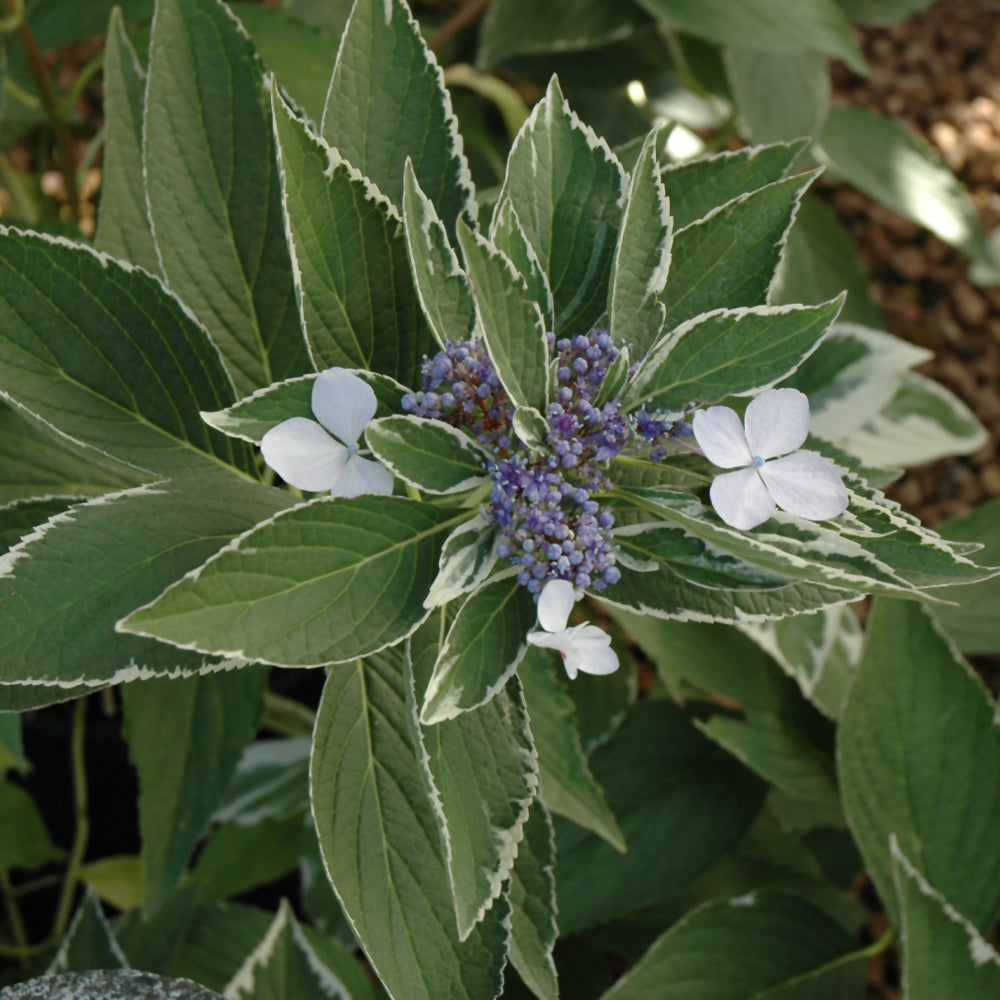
(821, 260)
(109, 358)
(673, 567)
(642, 257)
(25, 697)
(483, 647)
(20, 516)
(56, 25)
(24, 840)
(774, 25)
(117, 879)
(35, 461)
(185, 738)
(728, 352)
(697, 187)
(57, 627)
(508, 236)
(429, 454)
(89, 942)
(821, 652)
(346, 240)
(209, 944)
(803, 550)
(779, 99)
(533, 929)
(237, 858)
(301, 57)
(251, 418)
(324, 582)
(509, 321)
(283, 965)
(972, 620)
(728, 259)
(513, 27)
(567, 786)
(373, 802)
(442, 286)
(923, 421)
(667, 785)
(772, 942)
(123, 228)
(778, 735)
(467, 559)
(889, 163)
(485, 772)
(271, 782)
(216, 212)
(926, 776)
(567, 189)
(851, 377)
(387, 102)
(944, 954)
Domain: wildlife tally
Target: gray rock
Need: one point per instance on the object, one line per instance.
(121, 984)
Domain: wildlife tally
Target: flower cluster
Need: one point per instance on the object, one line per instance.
(552, 527)
(462, 388)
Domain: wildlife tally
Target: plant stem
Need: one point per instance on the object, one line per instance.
(82, 820)
(14, 916)
(465, 15)
(287, 716)
(51, 103)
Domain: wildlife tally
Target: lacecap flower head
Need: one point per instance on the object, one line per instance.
(583, 647)
(776, 424)
(324, 456)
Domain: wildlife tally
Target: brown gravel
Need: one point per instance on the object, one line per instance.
(939, 74)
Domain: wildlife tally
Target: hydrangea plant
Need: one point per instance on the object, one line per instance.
(314, 402)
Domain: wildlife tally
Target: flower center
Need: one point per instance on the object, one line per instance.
(352, 448)
(757, 461)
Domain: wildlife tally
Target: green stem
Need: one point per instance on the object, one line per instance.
(83, 78)
(22, 96)
(53, 108)
(14, 916)
(287, 716)
(82, 835)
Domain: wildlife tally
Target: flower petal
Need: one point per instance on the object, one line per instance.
(343, 403)
(361, 475)
(807, 485)
(303, 454)
(590, 651)
(741, 499)
(554, 605)
(777, 422)
(720, 436)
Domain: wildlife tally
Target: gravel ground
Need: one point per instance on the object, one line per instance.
(939, 74)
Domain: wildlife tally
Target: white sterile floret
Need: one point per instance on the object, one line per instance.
(776, 424)
(583, 647)
(302, 452)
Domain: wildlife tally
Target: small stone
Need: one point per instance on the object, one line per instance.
(990, 479)
(971, 306)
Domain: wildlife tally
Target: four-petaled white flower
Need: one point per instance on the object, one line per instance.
(583, 647)
(802, 482)
(302, 452)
